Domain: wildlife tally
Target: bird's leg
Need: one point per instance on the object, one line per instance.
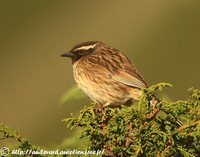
(101, 110)
(98, 106)
(106, 105)
(103, 122)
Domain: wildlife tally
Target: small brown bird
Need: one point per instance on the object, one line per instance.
(105, 74)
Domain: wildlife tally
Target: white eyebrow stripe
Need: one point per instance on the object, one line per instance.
(86, 47)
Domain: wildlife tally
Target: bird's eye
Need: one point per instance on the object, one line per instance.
(81, 52)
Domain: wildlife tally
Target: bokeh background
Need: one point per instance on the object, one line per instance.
(161, 37)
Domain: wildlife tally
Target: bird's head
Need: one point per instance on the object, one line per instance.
(82, 49)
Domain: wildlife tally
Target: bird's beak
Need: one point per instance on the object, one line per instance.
(67, 54)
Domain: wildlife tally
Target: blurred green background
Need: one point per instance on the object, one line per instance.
(161, 37)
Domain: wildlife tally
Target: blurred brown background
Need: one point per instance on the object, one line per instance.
(161, 37)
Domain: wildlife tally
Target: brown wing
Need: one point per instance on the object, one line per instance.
(111, 63)
(128, 74)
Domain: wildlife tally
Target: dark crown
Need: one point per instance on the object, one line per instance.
(82, 49)
(84, 45)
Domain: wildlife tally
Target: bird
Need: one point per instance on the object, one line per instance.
(105, 74)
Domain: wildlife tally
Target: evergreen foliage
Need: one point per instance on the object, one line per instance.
(141, 130)
(138, 130)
